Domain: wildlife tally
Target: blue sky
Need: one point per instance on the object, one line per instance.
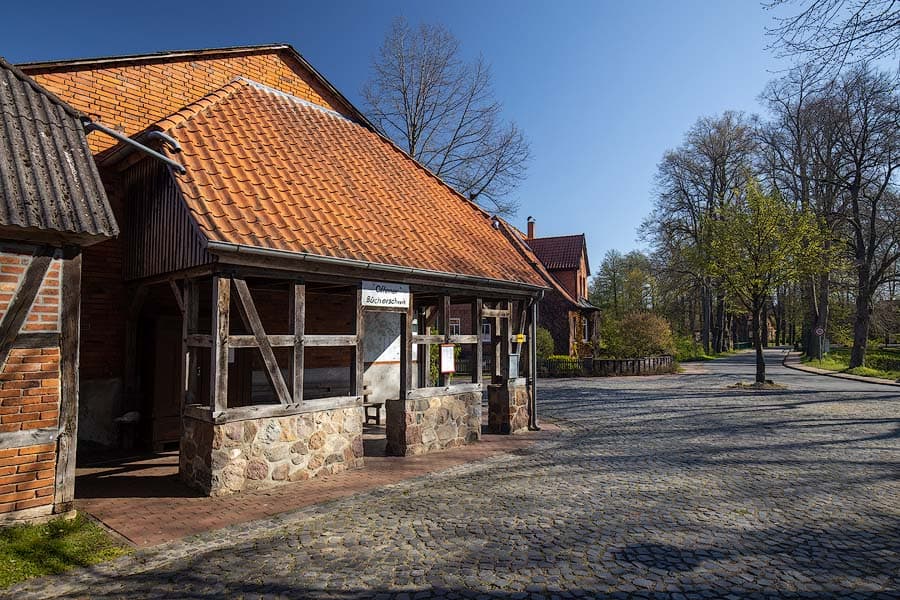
(601, 88)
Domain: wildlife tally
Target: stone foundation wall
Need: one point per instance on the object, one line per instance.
(508, 408)
(437, 423)
(257, 453)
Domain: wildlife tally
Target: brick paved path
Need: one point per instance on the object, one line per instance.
(663, 487)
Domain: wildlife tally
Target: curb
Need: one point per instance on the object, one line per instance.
(836, 375)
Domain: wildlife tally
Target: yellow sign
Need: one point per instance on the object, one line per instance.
(520, 338)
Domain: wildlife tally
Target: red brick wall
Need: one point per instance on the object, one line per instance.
(130, 97)
(27, 477)
(29, 391)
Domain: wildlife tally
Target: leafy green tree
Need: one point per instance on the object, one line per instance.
(639, 334)
(757, 243)
(545, 344)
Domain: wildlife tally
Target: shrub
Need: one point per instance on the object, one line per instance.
(544, 343)
(641, 334)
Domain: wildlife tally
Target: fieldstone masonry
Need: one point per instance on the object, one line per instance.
(256, 453)
(428, 424)
(508, 407)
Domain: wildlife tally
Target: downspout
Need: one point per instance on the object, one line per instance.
(532, 409)
(90, 126)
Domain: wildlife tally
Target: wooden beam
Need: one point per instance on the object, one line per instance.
(197, 340)
(70, 330)
(406, 348)
(502, 367)
(21, 302)
(190, 325)
(260, 411)
(250, 316)
(298, 323)
(329, 340)
(179, 299)
(477, 307)
(218, 368)
(495, 313)
(444, 317)
(28, 437)
(357, 370)
(421, 349)
(464, 339)
(428, 339)
(36, 339)
(251, 341)
(456, 388)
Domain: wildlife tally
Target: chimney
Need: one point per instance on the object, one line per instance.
(530, 228)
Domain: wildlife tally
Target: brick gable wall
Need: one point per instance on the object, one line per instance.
(131, 97)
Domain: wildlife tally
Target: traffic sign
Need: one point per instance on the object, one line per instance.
(820, 331)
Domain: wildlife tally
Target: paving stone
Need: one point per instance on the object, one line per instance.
(671, 487)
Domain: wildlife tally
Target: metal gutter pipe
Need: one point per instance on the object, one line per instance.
(90, 126)
(231, 248)
(164, 137)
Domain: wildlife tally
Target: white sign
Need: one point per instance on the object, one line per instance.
(448, 360)
(385, 295)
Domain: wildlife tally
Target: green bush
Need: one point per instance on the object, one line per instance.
(688, 349)
(544, 343)
(639, 334)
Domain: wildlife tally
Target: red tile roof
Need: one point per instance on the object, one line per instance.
(266, 169)
(560, 252)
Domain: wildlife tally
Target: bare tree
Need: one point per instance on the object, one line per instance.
(829, 34)
(865, 107)
(442, 111)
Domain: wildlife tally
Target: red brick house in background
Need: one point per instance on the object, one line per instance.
(565, 310)
(52, 204)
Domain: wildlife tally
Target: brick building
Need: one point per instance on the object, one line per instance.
(565, 310)
(52, 204)
(294, 269)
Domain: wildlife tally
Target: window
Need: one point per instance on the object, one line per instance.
(486, 331)
(586, 332)
(454, 326)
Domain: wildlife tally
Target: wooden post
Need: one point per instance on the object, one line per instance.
(422, 351)
(406, 346)
(298, 319)
(503, 349)
(358, 368)
(479, 347)
(218, 367)
(444, 316)
(70, 296)
(189, 327)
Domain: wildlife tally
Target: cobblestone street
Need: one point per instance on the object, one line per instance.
(659, 487)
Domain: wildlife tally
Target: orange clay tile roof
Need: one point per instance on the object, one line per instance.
(559, 252)
(266, 169)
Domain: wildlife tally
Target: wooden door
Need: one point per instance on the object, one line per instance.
(166, 409)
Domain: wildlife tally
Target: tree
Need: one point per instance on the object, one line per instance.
(693, 181)
(828, 34)
(757, 243)
(442, 111)
(865, 108)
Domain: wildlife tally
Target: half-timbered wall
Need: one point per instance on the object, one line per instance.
(35, 438)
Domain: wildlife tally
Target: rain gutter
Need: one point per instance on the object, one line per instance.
(231, 248)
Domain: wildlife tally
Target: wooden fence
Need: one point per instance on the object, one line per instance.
(605, 367)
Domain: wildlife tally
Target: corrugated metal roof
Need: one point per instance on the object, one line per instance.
(49, 183)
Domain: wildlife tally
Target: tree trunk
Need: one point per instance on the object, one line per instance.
(705, 317)
(764, 324)
(757, 343)
(861, 322)
(719, 328)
